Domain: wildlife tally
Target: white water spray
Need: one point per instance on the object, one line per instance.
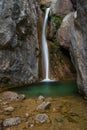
(45, 53)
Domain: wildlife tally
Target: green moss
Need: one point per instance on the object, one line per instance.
(43, 8)
(57, 20)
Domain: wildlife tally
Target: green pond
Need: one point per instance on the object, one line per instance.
(48, 89)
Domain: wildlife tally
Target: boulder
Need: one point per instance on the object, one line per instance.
(8, 95)
(12, 121)
(41, 118)
(61, 7)
(18, 43)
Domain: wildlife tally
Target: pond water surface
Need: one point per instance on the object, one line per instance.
(49, 89)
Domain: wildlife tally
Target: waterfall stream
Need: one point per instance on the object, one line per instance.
(45, 53)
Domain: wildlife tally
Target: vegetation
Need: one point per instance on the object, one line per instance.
(57, 20)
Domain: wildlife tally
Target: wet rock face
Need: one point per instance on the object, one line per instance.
(79, 45)
(18, 42)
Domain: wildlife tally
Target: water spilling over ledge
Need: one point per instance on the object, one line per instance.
(45, 53)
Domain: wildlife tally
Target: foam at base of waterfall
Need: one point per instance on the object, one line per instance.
(48, 80)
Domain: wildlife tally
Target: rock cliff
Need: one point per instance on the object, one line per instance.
(72, 36)
(18, 42)
(79, 45)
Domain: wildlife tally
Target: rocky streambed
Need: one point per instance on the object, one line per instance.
(18, 112)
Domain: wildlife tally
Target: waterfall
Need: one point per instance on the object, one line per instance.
(45, 54)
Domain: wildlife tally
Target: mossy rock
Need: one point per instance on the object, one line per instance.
(57, 20)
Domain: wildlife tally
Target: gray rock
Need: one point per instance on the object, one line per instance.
(64, 32)
(18, 43)
(9, 109)
(8, 95)
(61, 7)
(22, 96)
(12, 121)
(41, 118)
(78, 48)
(41, 98)
(44, 106)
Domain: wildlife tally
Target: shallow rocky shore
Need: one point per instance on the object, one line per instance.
(61, 113)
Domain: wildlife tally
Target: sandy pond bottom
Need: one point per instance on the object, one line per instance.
(67, 112)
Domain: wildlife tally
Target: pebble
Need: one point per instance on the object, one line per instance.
(59, 119)
(26, 115)
(54, 110)
(31, 125)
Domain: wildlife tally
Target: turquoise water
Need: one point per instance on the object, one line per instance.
(48, 89)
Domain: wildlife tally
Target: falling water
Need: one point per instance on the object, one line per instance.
(45, 53)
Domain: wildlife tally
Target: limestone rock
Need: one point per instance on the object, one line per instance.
(79, 46)
(61, 7)
(41, 118)
(12, 121)
(64, 32)
(9, 109)
(44, 105)
(41, 98)
(18, 43)
(12, 96)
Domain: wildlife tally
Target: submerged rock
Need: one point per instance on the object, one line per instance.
(44, 106)
(41, 118)
(12, 121)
